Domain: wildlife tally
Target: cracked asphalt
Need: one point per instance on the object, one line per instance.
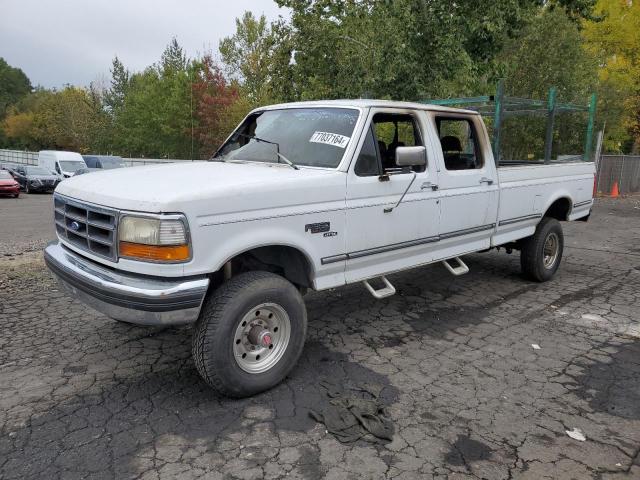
(82, 396)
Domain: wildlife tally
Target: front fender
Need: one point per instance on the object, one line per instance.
(214, 245)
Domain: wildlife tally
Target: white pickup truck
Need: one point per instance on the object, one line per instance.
(302, 195)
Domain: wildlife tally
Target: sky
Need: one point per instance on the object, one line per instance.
(58, 42)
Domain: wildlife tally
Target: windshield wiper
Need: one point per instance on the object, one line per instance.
(280, 156)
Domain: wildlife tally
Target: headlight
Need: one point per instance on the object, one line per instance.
(154, 239)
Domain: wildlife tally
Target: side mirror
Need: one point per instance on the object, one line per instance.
(411, 156)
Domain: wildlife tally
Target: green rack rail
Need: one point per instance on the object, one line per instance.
(500, 106)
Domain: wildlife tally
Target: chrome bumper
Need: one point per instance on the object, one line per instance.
(126, 296)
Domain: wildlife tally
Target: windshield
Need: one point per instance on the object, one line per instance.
(315, 137)
(36, 171)
(71, 165)
(4, 175)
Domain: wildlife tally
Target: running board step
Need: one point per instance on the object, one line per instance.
(461, 269)
(387, 291)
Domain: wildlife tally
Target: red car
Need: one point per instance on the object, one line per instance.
(8, 186)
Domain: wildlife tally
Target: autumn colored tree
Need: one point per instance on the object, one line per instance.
(65, 120)
(213, 99)
(615, 42)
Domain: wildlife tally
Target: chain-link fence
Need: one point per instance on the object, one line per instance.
(31, 158)
(18, 156)
(621, 169)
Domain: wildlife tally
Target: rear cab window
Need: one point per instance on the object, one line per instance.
(459, 142)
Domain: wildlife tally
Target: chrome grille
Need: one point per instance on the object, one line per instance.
(86, 226)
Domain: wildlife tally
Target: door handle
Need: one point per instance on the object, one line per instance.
(430, 185)
(486, 180)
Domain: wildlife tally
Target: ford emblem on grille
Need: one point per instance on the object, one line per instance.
(75, 226)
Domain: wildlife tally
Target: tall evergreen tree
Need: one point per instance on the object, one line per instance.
(114, 97)
(173, 58)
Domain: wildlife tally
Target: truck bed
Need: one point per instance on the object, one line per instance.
(527, 192)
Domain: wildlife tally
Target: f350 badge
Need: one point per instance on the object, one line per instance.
(322, 227)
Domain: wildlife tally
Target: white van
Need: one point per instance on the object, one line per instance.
(63, 164)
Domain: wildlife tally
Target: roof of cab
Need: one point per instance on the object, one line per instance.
(366, 103)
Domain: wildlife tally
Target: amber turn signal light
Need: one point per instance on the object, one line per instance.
(156, 253)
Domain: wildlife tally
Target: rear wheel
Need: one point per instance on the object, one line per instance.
(541, 253)
(250, 334)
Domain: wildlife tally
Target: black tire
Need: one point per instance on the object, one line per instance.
(215, 331)
(532, 254)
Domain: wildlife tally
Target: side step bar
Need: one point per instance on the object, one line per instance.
(387, 291)
(458, 270)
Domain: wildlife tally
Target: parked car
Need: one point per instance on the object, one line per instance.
(8, 185)
(65, 164)
(35, 179)
(9, 166)
(311, 195)
(106, 162)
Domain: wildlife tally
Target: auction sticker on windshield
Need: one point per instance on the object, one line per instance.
(330, 139)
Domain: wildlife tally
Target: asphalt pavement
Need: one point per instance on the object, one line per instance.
(483, 376)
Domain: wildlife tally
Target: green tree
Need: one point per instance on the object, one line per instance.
(114, 97)
(403, 49)
(156, 114)
(548, 52)
(14, 84)
(247, 55)
(173, 59)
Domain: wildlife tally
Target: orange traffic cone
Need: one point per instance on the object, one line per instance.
(615, 193)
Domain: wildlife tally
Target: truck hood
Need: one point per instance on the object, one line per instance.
(216, 187)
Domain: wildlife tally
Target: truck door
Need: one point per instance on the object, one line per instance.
(468, 184)
(380, 240)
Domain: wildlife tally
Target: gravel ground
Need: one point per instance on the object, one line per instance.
(469, 393)
(26, 223)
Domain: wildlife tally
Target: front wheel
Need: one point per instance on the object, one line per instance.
(541, 253)
(250, 334)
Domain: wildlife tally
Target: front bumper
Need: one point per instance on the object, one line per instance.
(125, 296)
(41, 188)
(9, 190)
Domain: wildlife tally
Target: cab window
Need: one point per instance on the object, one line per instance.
(368, 163)
(395, 130)
(387, 132)
(459, 143)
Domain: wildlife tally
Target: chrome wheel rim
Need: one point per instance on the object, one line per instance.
(261, 338)
(550, 250)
